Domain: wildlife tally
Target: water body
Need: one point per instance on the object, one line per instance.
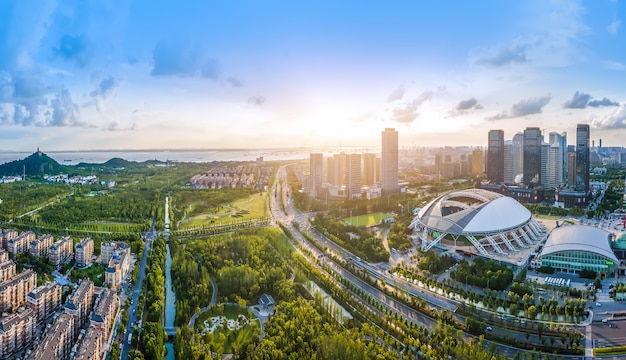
(208, 155)
(170, 302)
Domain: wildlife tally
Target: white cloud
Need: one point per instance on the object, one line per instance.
(614, 26)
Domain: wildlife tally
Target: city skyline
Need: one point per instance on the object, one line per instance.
(145, 75)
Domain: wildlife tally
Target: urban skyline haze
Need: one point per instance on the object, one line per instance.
(242, 74)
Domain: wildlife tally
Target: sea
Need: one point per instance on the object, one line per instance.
(198, 156)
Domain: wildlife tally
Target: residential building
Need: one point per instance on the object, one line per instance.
(84, 252)
(337, 169)
(561, 139)
(316, 173)
(389, 163)
(509, 174)
(58, 340)
(353, 176)
(477, 162)
(7, 266)
(369, 169)
(108, 249)
(582, 157)
(518, 154)
(105, 312)
(91, 346)
(45, 300)
(13, 292)
(555, 175)
(17, 331)
(495, 156)
(41, 245)
(20, 243)
(6, 235)
(532, 156)
(118, 267)
(61, 251)
(545, 166)
(79, 305)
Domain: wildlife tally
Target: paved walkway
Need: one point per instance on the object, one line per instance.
(192, 321)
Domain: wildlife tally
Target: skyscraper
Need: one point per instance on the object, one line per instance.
(353, 176)
(509, 174)
(561, 139)
(477, 162)
(389, 163)
(532, 156)
(582, 157)
(518, 154)
(495, 156)
(316, 177)
(369, 169)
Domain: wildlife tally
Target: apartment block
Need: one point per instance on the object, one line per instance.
(108, 249)
(17, 331)
(91, 346)
(7, 266)
(45, 300)
(20, 243)
(118, 267)
(58, 341)
(80, 304)
(13, 292)
(41, 245)
(61, 251)
(105, 312)
(6, 235)
(84, 252)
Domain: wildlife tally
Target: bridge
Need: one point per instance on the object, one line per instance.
(171, 331)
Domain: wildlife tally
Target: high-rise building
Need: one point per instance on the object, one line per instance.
(353, 176)
(84, 252)
(316, 173)
(495, 156)
(369, 169)
(571, 168)
(477, 162)
(518, 154)
(389, 173)
(561, 140)
(582, 157)
(337, 169)
(532, 156)
(555, 160)
(545, 166)
(509, 174)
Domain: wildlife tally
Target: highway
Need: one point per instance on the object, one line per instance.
(291, 214)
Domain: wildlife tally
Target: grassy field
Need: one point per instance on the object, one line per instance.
(367, 219)
(251, 207)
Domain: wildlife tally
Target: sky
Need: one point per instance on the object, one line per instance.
(148, 74)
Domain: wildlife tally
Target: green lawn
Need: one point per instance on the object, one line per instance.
(252, 207)
(367, 219)
(230, 338)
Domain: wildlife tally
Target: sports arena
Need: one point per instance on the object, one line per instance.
(480, 222)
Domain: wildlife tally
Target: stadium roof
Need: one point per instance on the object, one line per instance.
(473, 211)
(581, 238)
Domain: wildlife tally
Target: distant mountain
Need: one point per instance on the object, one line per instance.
(119, 163)
(37, 163)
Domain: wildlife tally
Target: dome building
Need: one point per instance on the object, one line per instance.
(495, 225)
(573, 248)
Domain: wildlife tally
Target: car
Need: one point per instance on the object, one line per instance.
(598, 304)
(489, 328)
(604, 320)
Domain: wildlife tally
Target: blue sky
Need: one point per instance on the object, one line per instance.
(247, 74)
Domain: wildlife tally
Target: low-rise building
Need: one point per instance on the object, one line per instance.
(13, 292)
(17, 331)
(61, 251)
(80, 304)
(41, 245)
(58, 341)
(84, 252)
(45, 300)
(20, 243)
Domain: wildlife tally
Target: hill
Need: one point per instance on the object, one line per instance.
(37, 163)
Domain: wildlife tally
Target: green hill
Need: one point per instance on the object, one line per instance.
(37, 163)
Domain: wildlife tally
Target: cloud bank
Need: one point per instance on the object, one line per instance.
(582, 100)
(523, 108)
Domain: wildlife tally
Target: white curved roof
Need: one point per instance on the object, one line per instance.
(501, 213)
(581, 238)
(473, 211)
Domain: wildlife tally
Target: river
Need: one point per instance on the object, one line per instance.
(170, 302)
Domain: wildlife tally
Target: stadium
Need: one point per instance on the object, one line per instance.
(486, 223)
(574, 248)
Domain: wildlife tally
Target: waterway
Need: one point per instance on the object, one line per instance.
(170, 302)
